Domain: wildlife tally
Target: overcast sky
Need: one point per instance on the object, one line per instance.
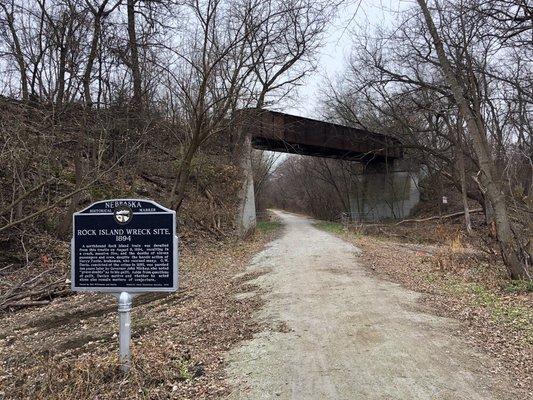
(354, 18)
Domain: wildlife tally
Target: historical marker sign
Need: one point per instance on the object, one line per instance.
(125, 245)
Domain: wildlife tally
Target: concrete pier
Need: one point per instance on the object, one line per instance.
(385, 191)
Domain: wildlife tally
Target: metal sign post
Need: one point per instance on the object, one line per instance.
(125, 247)
(125, 300)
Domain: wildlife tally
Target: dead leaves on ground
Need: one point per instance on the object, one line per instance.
(68, 349)
(461, 281)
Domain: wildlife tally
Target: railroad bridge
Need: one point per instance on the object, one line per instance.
(286, 133)
(387, 186)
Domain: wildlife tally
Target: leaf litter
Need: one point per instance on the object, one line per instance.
(69, 348)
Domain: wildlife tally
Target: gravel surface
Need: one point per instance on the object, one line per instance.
(332, 331)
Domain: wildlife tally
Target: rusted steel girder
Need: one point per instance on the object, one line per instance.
(275, 131)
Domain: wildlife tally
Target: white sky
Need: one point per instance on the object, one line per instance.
(356, 16)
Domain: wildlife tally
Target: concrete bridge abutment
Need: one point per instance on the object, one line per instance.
(245, 221)
(385, 190)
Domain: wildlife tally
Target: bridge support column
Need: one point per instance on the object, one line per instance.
(385, 191)
(246, 217)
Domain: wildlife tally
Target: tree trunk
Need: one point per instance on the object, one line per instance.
(512, 253)
(468, 223)
(177, 193)
(462, 174)
(66, 221)
(17, 50)
(134, 58)
(90, 61)
(61, 76)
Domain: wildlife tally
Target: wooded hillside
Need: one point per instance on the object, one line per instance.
(131, 98)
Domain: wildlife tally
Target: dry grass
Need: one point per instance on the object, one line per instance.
(460, 277)
(68, 349)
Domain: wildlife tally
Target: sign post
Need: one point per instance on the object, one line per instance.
(124, 247)
(125, 301)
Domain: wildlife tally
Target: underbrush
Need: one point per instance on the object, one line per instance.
(519, 286)
(513, 312)
(479, 280)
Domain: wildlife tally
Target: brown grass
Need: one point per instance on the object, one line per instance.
(460, 277)
(68, 349)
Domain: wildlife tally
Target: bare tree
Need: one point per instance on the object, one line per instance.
(394, 84)
(99, 13)
(263, 167)
(134, 57)
(236, 64)
(16, 47)
(514, 255)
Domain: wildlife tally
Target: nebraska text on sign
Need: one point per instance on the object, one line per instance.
(125, 245)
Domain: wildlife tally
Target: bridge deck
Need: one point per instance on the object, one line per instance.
(287, 133)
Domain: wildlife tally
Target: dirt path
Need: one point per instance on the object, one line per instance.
(335, 332)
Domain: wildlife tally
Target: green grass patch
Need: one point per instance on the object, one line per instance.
(329, 226)
(338, 229)
(183, 371)
(268, 226)
(482, 296)
(519, 286)
(516, 316)
(520, 318)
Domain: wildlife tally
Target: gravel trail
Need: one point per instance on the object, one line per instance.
(332, 331)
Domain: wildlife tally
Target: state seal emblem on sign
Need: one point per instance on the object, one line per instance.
(123, 214)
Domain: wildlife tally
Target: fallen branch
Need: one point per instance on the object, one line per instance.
(26, 194)
(46, 291)
(392, 234)
(27, 303)
(150, 179)
(36, 277)
(6, 267)
(456, 214)
(214, 230)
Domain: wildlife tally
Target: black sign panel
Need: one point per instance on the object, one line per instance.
(125, 245)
